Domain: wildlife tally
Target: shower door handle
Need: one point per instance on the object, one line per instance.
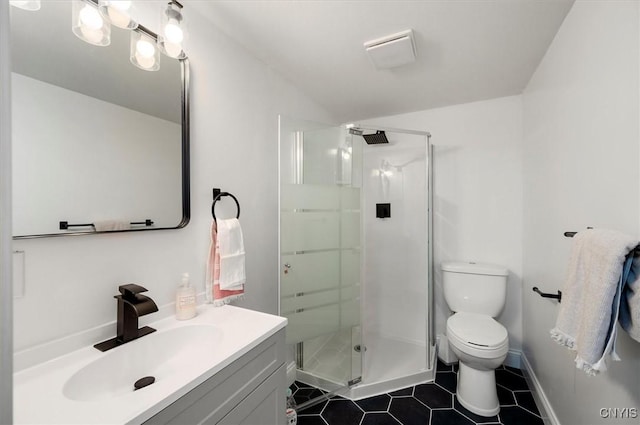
(287, 267)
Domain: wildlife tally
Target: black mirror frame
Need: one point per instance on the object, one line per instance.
(186, 185)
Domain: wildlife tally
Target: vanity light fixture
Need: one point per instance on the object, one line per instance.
(88, 24)
(92, 20)
(30, 5)
(119, 12)
(172, 31)
(144, 51)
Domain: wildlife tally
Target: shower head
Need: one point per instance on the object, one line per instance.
(379, 137)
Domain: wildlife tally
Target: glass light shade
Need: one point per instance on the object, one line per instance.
(120, 13)
(144, 52)
(88, 24)
(30, 5)
(172, 33)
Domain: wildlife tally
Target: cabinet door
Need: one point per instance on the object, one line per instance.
(264, 406)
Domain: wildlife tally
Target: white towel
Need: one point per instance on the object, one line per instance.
(232, 255)
(590, 297)
(214, 294)
(630, 305)
(111, 225)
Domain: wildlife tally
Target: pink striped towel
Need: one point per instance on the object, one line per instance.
(214, 294)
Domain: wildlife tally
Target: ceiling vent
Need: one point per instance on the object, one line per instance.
(392, 51)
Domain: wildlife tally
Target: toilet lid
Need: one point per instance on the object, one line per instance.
(477, 329)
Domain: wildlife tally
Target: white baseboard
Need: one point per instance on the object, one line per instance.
(546, 411)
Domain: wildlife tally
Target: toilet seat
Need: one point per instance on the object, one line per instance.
(478, 335)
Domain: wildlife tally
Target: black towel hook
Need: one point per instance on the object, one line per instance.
(217, 195)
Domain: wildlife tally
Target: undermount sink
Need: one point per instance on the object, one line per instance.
(160, 355)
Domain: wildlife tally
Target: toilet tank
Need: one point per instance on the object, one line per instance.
(474, 287)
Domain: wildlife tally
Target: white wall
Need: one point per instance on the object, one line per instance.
(236, 99)
(477, 193)
(581, 160)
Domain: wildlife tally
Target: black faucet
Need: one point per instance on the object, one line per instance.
(131, 305)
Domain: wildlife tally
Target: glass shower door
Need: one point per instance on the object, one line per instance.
(320, 251)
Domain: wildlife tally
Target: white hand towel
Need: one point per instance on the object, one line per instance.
(111, 225)
(590, 297)
(232, 255)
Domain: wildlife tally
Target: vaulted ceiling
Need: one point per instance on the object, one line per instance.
(467, 50)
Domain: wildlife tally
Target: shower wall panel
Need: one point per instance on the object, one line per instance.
(396, 247)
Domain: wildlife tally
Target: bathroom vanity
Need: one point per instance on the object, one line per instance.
(250, 391)
(225, 366)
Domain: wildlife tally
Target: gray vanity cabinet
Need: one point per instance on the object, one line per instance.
(250, 391)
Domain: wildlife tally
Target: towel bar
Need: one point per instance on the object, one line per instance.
(64, 225)
(217, 195)
(635, 251)
(557, 296)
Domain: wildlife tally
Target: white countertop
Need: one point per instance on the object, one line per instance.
(39, 396)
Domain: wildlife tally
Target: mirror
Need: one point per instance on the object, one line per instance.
(97, 142)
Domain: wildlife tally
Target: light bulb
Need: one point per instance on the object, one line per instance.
(88, 24)
(145, 49)
(118, 12)
(91, 35)
(122, 5)
(172, 35)
(173, 32)
(144, 52)
(146, 62)
(90, 18)
(172, 50)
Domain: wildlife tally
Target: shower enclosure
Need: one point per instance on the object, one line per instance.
(356, 256)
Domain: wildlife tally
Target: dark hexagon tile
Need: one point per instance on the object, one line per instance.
(448, 417)
(518, 416)
(402, 392)
(510, 380)
(433, 396)
(342, 412)
(505, 397)
(306, 394)
(315, 409)
(379, 403)
(474, 417)
(447, 380)
(311, 420)
(409, 411)
(293, 387)
(456, 367)
(525, 399)
(379, 418)
(302, 384)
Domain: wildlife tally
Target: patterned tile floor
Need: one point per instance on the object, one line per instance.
(426, 404)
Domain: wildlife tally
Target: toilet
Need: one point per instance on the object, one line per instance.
(476, 293)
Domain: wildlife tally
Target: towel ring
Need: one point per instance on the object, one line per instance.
(217, 195)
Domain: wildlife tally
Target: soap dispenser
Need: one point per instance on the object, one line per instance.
(185, 299)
